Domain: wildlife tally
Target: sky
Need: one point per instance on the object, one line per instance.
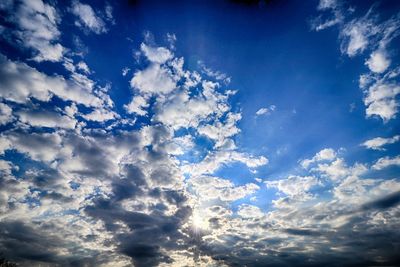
(200, 133)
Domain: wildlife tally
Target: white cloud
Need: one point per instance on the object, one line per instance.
(100, 115)
(336, 15)
(327, 4)
(380, 100)
(249, 211)
(209, 188)
(378, 142)
(183, 111)
(125, 71)
(264, 111)
(295, 186)
(137, 105)
(221, 131)
(378, 62)
(217, 159)
(155, 79)
(84, 67)
(41, 147)
(356, 36)
(334, 170)
(87, 18)
(325, 154)
(21, 82)
(219, 76)
(5, 114)
(386, 162)
(157, 55)
(46, 119)
(37, 28)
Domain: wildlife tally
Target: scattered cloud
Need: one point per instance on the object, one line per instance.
(153, 180)
(265, 111)
(326, 154)
(87, 18)
(377, 143)
(378, 62)
(386, 162)
(37, 28)
(368, 33)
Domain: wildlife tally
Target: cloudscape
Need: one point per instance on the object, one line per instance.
(199, 133)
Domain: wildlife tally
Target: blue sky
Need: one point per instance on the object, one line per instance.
(199, 133)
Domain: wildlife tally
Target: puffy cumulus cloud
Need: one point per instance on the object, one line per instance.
(209, 188)
(37, 28)
(220, 132)
(307, 224)
(377, 143)
(368, 33)
(215, 160)
(153, 80)
(98, 196)
(325, 154)
(48, 119)
(74, 193)
(39, 146)
(156, 54)
(294, 186)
(378, 62)
(381, 100)
(328, 165)
(5, 113)
(100, 115)
(87, 18)
(19, 82)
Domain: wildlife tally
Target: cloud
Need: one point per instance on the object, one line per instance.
(101, 188)
(384, 202)
(294, 186)
(100, 115)
(367, 33)
(19, 82)
(265, 111)
(377, 143)
(5, 114)
(378, 62)
(262, 111)
(87, 18)
(336, 15)
(125, 71)
(221, 131)
(153, 80)
(326, 154)
(48, 119)
(39, 146)
(37, 28)
(209, 188)
(381, 100)
(386, 162)
(214, 161)
(356, 36)
(157, 55)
